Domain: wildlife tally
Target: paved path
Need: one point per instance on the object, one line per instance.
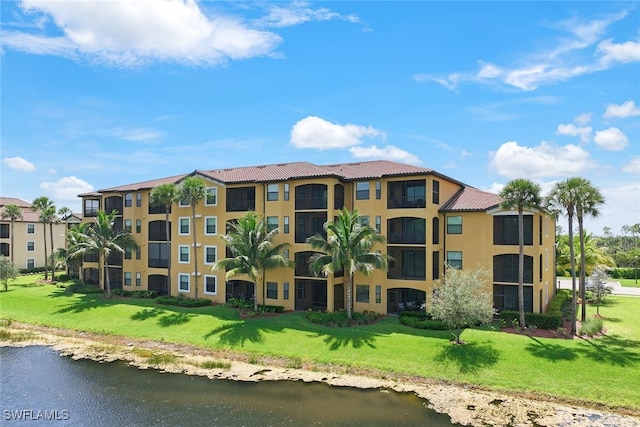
(616, 288)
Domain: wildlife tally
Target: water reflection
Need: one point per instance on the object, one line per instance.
(36, 382)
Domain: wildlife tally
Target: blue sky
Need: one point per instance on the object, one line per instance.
(104, 93)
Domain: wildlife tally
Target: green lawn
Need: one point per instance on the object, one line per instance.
(631, 283)
(604, 370)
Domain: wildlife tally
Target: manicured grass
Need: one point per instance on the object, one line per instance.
(630, 283)
(604, 370)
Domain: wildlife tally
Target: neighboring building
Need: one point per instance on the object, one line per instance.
(429, 220)
(29, 235)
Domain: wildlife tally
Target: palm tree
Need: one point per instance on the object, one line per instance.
(166, 195)
(47, 210)
(73, 254)
(563, 199)
(348, 246)
(102, 238)
(13, 213)
(589, 198)
(594, 254)
(251, 244)
(520, 193)
(191, 191)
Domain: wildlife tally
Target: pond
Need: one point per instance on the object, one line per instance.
(38, 387)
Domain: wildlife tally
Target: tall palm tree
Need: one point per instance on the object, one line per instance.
(193, 190)
(348, 246)
(563, 199)
(254, 252)
(13, 213)
(46, 209)
(166, 195)
(103, 238)
(520, 193)
(75, 248)
(589, 199)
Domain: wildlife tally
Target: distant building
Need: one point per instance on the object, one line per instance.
(430, 221)
(29, 234)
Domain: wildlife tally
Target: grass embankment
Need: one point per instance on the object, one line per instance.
(603, 371)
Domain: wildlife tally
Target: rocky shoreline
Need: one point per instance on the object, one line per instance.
(465, 405)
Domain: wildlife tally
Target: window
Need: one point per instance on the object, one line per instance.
(31, 229)
(210, 254)
(272, 192)
(435, 192)
(31, 263)
(183, 203)
(406, 194)
(127, 278)
(4, 249)
(285, 253)
(127, 225)
(362, 190)
(4, 231)
(241, 199)
(158, 255)
(454, 224)
(210, 285)
(286, 192)
(435, 230)
(286, 225)
(285, 290)
(435, 268)
(378, 294)
(272, 223)
(505, 297)
(31, 246)
(138, 200)
(212, 197)
(454, 259)
(127, 252)
(138, 252)
(272, 290)
(138, 225)
(378, 190)
(407, 230)
(184, 225)
(183, 254)
(505, 268)
(128, 200)
(505, 230)
(91, 207)
(210, 225)
(364, 220)
(183, 282)
(362, 293)
(378, 223)
(138, 279)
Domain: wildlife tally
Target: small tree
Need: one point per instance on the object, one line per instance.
(598, 280)
(461, 299)
(8, 270)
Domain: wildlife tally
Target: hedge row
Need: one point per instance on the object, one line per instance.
(624, 273)
(421, 320)
(135, 294)
(552, 319)
(183, 301)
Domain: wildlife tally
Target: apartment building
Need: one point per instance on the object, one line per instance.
(28, 238)
(430, 220)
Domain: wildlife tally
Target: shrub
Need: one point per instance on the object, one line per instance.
(591, 326)
(423, 323)
(623, 273)
(182, 301)
(552, 319)
(339, 318)
(418, 314)
(81, 288)
(240, 303)
(135, 294)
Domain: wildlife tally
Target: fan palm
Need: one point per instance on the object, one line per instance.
(47, 211)
(192, 190)
(253, 250)
(348, 246)
(166, 195)
(520, 193)
(13, 213)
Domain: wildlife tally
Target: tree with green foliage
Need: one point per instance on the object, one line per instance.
(8, 270)
(348, 246)
(521, 194)
(72, 255)
(166, 195)
(47, 211)
(594, 254)
(254, 252)
(588, 203)
(102, 238)
(192, 191)
(461, 299)
(13, 213)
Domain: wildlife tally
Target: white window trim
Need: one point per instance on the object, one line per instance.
(215, 190)
(33, 260)
(215, 278)
(27, 246)
(180, 225)
(34, 228)
(205, 226)
(124, 279)
(188, 282)
(180, 253)
(205, 254)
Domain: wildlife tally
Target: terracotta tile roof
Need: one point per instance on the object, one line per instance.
(471, 199)
(268, 173)
(4, 201)
(374, 169)
(137, 186)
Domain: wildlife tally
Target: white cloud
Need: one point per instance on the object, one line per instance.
(66, 188)
(138, 134)
(18, 163)
(134, 33)
(633, 166)
(612, 139)
(583, 119)
(388, 152)
(584, 132)
(545, 160)
(626, 109)
(495, 188)
(296, 13)
(314, 132)
(618, 52)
